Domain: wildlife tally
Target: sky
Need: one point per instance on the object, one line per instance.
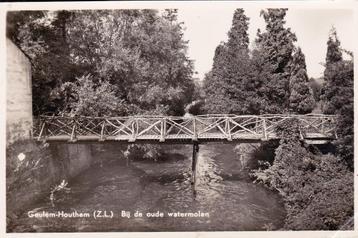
(207, 27)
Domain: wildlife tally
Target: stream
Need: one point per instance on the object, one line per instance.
(141, 195)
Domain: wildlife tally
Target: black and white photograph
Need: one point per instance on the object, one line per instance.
(188, 118)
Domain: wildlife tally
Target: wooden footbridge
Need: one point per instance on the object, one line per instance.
(314, 129)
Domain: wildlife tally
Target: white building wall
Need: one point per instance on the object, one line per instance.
(19, 94)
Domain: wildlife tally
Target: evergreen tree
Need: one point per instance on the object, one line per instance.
(344, 102)
(216, 100)
(238, 64)
(316, 88)
(330, 86)
(220, 61)
(238, 38)
(273, 56)
(225, 84)
(337, 96)
(334, 54)
(301, 95)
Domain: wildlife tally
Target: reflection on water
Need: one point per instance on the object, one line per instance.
(149, 187)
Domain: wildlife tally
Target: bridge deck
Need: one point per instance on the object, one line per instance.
(206, 128)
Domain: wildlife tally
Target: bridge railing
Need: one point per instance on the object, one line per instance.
(161, 128)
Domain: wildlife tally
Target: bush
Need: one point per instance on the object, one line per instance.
(256, 155)
(326, 195)
(22, 158)
(317, 189)
(143, 152)
(87, 98)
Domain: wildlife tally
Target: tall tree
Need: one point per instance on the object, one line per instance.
(272, 57)
(238, 37)
(238, 63)
(231, 70)
(344, 101)
(301, 95)
(330, 86)
(141, 53)
(337, 96)
(334, 53)
(216, 100)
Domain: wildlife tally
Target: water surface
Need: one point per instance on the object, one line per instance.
(229, 199)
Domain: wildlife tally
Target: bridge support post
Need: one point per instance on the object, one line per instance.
(163, 127)
(73, 132)
(102, 131)
(42, 131)
(195, 134)
(194, 162)
(134, 130)
(228, 129)
(264, 130)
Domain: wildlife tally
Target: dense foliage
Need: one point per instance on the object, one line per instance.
(122, 62)
(135, 54)
(337, 95)
(317, 189)
(301, 95)
(87, 98)
(334, 60)
(105, 62)
(224, 85)
(316, 88)
(271, 78)
(272, 57)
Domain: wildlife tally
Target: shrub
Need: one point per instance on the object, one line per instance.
(317, 189)
(143, 152)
